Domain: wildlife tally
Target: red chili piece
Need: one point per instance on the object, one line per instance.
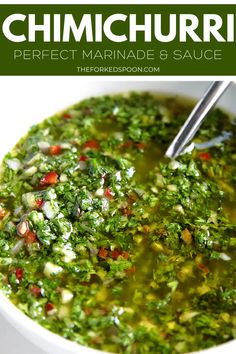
(91, 144)
(39, 202)
(103, 253)
(205, 156)
(55, 150)
(130, 270)
(19, 273)
(116, 253)
(203, 268)
(66, 116)
(127, 145)
(140, 145)
(35, 290)
(49, 307)
(126, 211)
(49, 178)
(125, 254)
(30, 237)
(83, 158)
(108, 193)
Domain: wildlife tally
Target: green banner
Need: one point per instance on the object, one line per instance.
(117, 40)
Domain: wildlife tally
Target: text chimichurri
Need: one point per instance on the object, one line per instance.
(111, 245)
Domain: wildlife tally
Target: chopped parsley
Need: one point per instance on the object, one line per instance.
(109, 244)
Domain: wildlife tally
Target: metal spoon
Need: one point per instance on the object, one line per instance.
(196, 118)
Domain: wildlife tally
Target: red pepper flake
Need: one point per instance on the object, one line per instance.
(205, 156)
(24, 231)
(108, 193)
(55, 150)
(116, 253)
(83, 158)
(203, 268)
(49, 307)
(30, 237)
(127, 145)
(49, 178)
(130, 270)
(35, 290)
(39, 203)
(130, 144)
(2, 213)
(19, 273)
(140, 146)
(103, 253)
(125, 254)
(126, 211)
(66, 116)
(91, 144)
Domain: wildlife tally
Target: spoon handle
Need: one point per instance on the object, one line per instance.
(196, 118)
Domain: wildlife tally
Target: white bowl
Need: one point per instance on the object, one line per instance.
(25, 101)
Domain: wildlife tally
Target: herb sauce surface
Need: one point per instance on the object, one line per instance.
(109, 244)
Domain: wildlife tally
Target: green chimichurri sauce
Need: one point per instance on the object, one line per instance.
(111, 245)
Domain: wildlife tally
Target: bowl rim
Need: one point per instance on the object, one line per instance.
(15, 316)
(18, 318)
